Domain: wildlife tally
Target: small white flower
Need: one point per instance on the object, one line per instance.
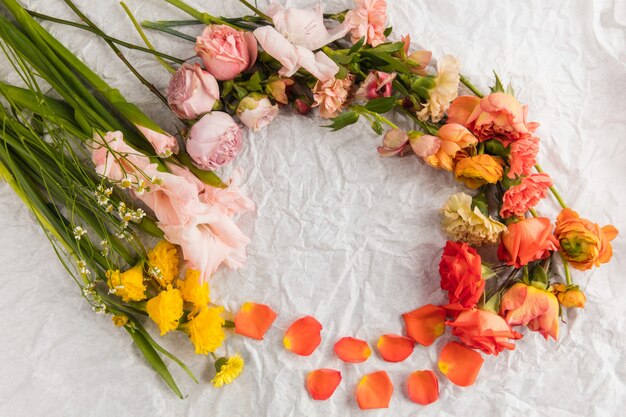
(79, 232)
(156, 180)
(126, 183)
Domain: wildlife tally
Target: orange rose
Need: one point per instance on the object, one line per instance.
(584, 244)
(527, 305)
(478, 170)
(526, 241)
(569, 296)
(483, 330)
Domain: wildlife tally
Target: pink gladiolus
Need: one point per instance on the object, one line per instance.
(226, 52)
(114, 159)
(214, 140)
(163, 143)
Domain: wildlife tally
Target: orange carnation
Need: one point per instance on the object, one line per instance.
(478, 170)
(526, 241)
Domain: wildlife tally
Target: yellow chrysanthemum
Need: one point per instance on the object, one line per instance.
(193, 290)
(164, 258)
(205, 330)
(464, 224)
(228, 370)
(166, 309)
(127, 285)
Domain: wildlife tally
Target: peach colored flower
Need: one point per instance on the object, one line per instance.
(518, 199)
(483, 330)
(369, 20)
(192, 91)
(417, 61)
(399, 142)
(523, 156)
(446, 89)
(478, 170)
(226, 52)
(454, 137)
(526, 241)
(584, 244)
(527, 305)
(331, 96)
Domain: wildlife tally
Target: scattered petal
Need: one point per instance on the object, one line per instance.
(374, 391)
(425, 324)
(322, 383)
(253, 320)
(460, 364)
(395, 348)
(423, 387)
(352, 350)
(303, 336)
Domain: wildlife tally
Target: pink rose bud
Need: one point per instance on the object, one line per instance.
(256, 111)
(163, 143)
(395, 142)
(226, 52)
(214, 140)
(376, 85)
(302, 105)
(192, 91)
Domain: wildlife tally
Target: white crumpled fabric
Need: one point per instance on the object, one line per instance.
(346, 236)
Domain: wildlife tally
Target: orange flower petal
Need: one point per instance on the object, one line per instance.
(303, 336)
(395, 348)
(352, 350)
(253, 320)
(423, 387)
(322, 383)
(374, 391)
(425, 324)
(460, 364)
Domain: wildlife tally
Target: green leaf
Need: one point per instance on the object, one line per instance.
(357, 46)
(394, 63)
(494, 147)
(227, 87)
(377, 126)
(241, 92)
(343, 120)
(493, 304)
(389, 47)
(381, 105)
(388, 31)
(498, 88)
(480, 201)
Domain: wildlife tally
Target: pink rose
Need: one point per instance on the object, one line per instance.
(226, 52)
(399, 142)
(377, 84)
(523, 156)
(214, 140)
(192, 91)
(369, 20)
(332, 95)
(256, 111)
(163, 143)
(520, 198)
(115, 159)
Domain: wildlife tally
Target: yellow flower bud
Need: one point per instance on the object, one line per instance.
(569, 296)
(478, 170)
(119, 320)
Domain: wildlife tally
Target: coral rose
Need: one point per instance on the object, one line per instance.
(460, 269)
(368, 20)
(483, 330)
(518, 199)
(192, 91)
(226, 52)
(526, 241)
(332, 95)
(214, 140)
(527, 305)
(454, 137)
(478, 170)
(584, 244)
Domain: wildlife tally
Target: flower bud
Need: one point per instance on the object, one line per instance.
(256, 111)
(302, 105)
(569, 296)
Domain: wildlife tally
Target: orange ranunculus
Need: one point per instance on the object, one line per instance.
(569, 296)
(461, 275)
(527, 305)
(478, 170)
(526, 241)
(460, 364)
(454, 137)
(584, 244)
(483, 330)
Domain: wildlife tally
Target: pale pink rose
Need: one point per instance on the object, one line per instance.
(163, 143)
(226, 52)
(192, 91)
(523, 156)
(377, 84)
(256, 111)
(369, 20)
(395, 142)
(331, 96)
(446, 89)
(214, 140)
(520, 198)
(115, 159)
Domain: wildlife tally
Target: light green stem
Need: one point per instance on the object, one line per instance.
(168, 30)
(203, 17)
(553, 190)
(255, 10)
(568, 277)
(472, 87)
(533, 212)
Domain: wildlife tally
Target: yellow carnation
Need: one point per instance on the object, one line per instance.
(228, 369)
(127, 285)
(464, 224)
(478, 170)
(166, 309)
(205, 330)
(164, 258)
(193, 290)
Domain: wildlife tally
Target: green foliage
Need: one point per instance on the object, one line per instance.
(344, 119)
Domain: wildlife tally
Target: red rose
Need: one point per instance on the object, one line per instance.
(483, 330)
(461, 275)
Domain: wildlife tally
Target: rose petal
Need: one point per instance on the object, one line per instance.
(322, 383)
(395, 348)
(425, 145)
(374, 391)
(460, 364)
(352, 350)
(303, 336)
(253, 320)
(423, 387)
(425, 324)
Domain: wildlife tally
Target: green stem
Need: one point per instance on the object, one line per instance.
(568, 276)
(553, 190)
(533, 212)
(168, 30)
(426, 127)
(203, 17)
(255, 10)
(472, 87)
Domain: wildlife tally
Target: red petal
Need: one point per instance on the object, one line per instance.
(253, 320)
(395, 348)
(425, 324)
(460, 364)
(322, 383)
(352, 350)
(374, 391)
(303, 336)
(423, 387)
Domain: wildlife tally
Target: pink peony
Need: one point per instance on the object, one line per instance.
(520, 198)
(115, 159)
(226, 52)
(214, 140)
(163, 143)
(377, 84)
(369, 20)
(192, 91)
(332, 95)
(523, 156)
(256, 111)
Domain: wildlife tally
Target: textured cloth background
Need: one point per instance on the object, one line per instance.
(346, 236)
